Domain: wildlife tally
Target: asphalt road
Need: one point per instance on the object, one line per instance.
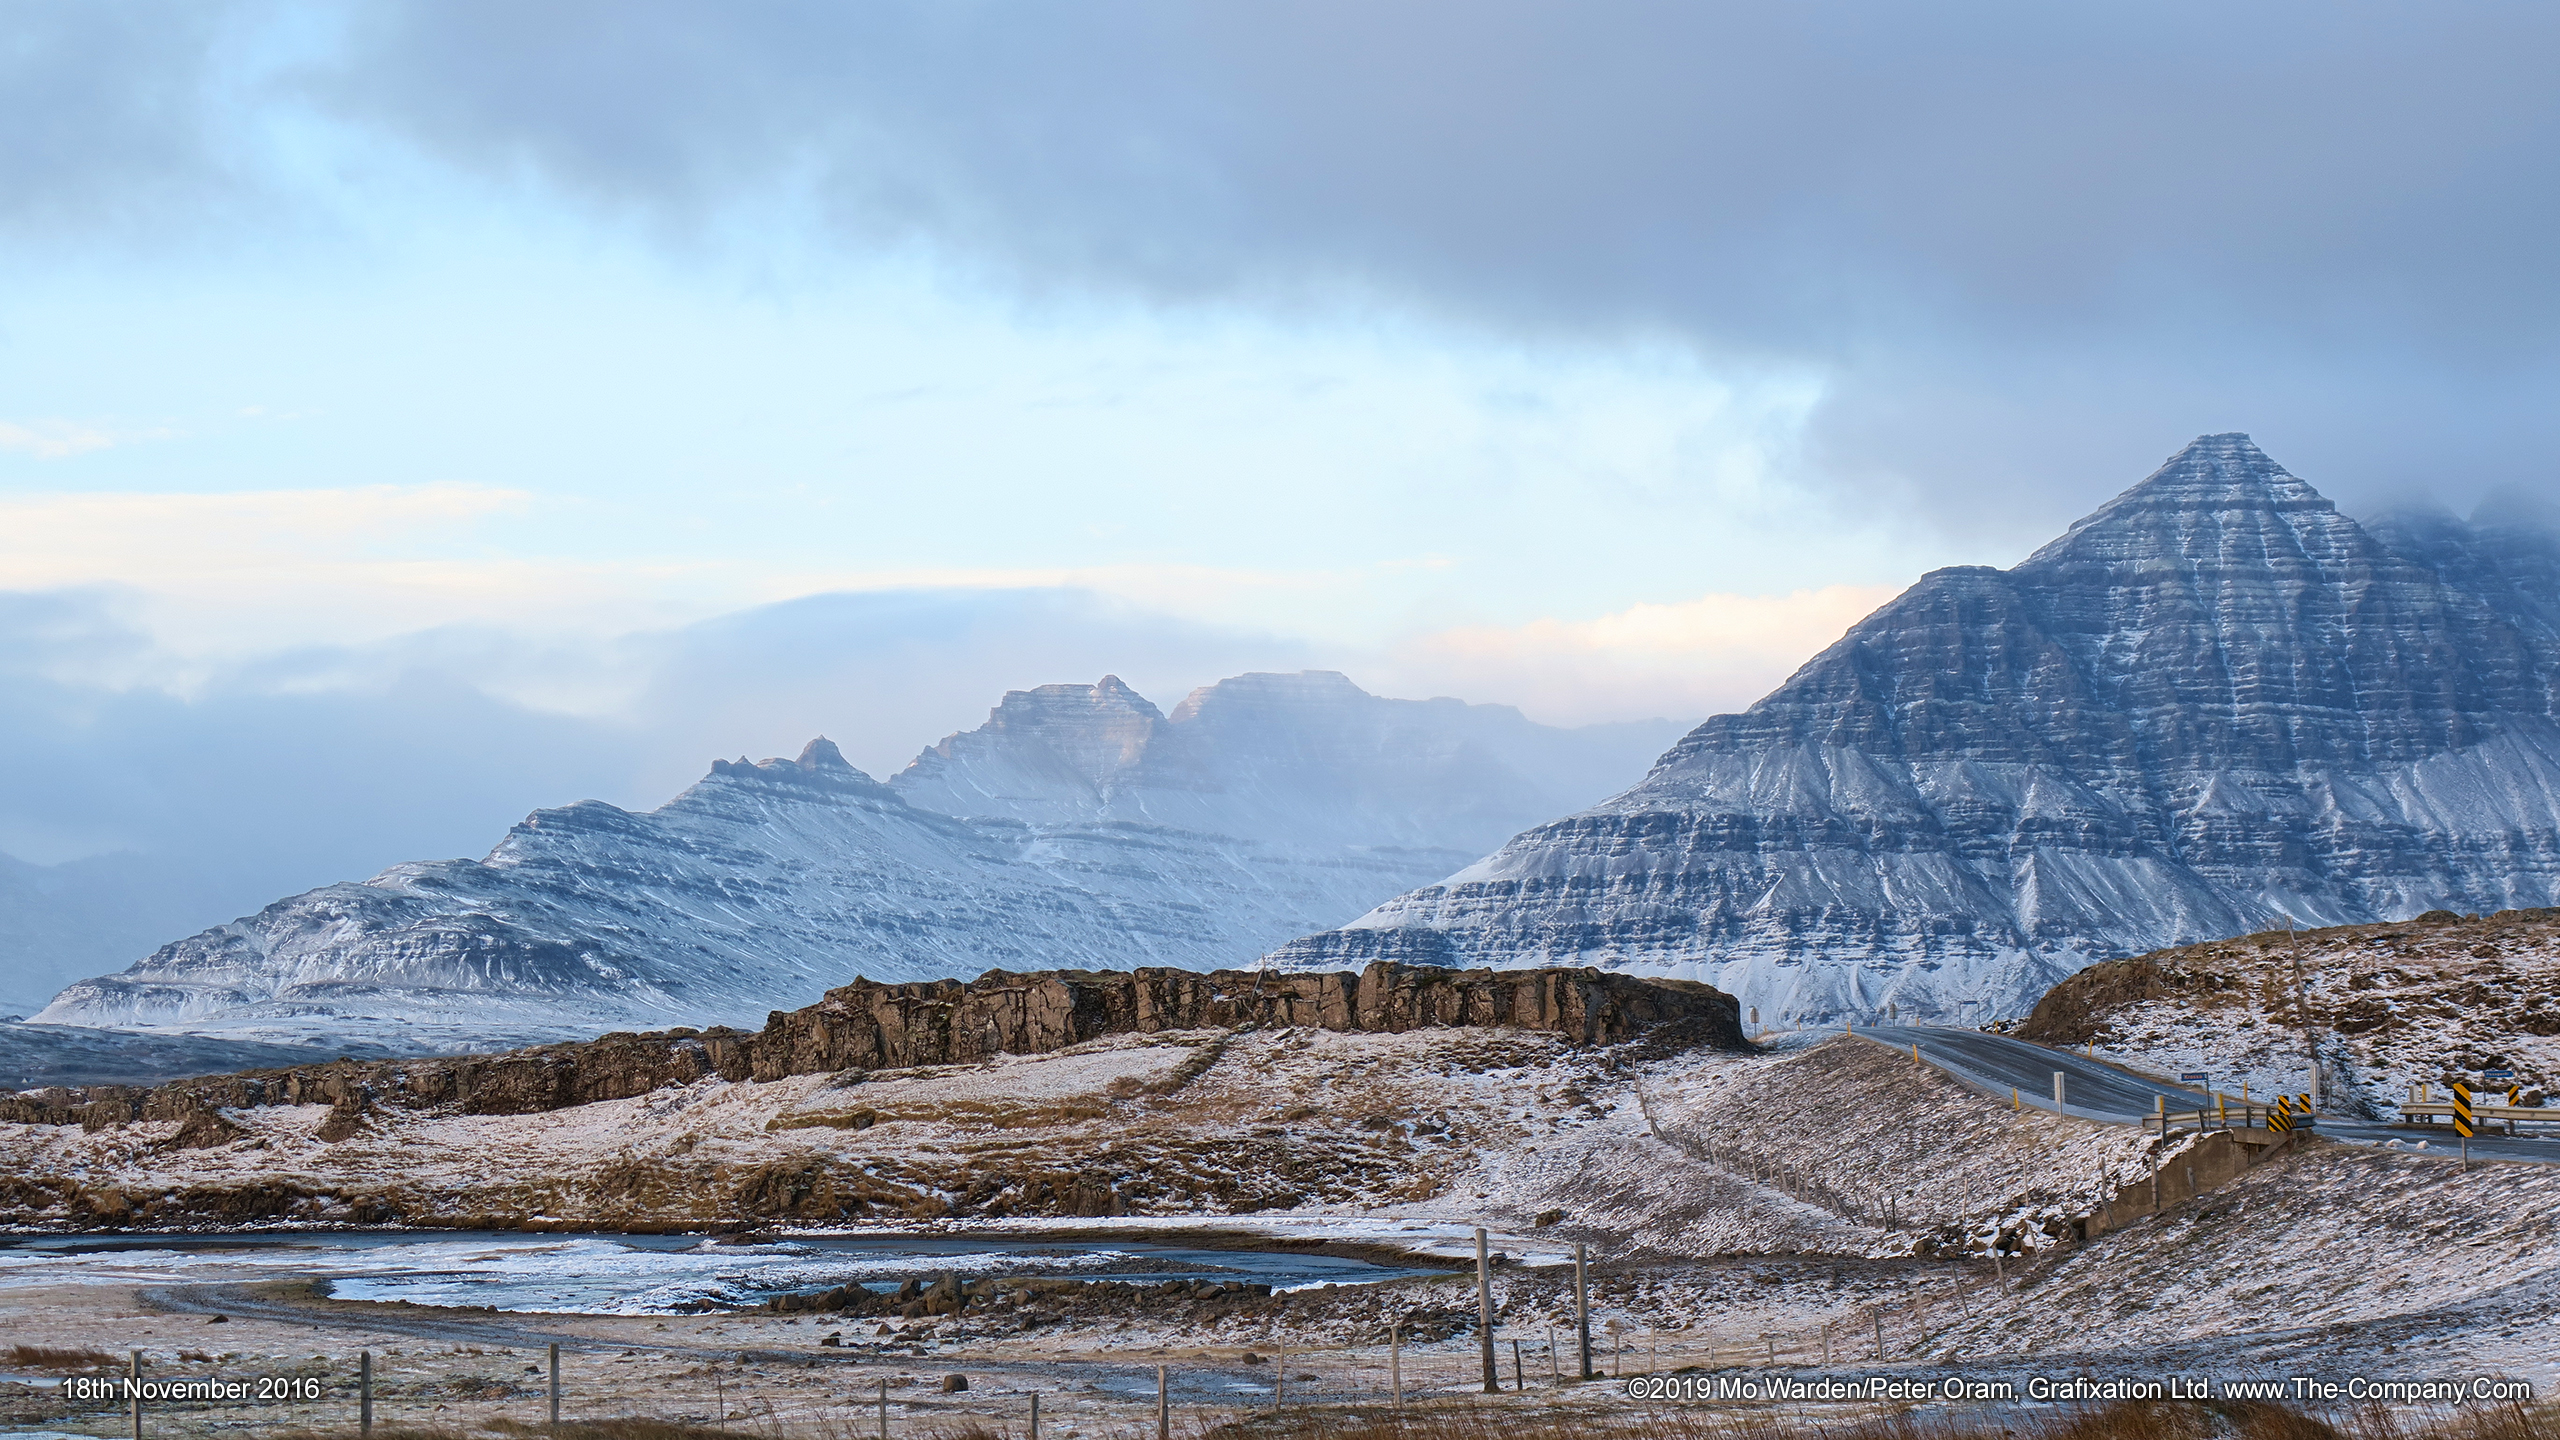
(2095, 1090)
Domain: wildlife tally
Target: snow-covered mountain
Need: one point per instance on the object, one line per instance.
(1079, 827)
(1310, 759)
(2212, 702)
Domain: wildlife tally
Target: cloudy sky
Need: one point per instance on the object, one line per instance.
(410, 413)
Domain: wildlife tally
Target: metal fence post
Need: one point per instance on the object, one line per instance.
(1484, 1315)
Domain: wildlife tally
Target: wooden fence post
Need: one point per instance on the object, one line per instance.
(1582, 1303)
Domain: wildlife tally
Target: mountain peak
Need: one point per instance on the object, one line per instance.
(2219, 498)
(820, 761)
(2230, 446)
(1264, 689)
(2211, 469)
(822, 754)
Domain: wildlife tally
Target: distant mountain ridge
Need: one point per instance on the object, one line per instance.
(1039, 841)
(1311, 756)
(2214, 701)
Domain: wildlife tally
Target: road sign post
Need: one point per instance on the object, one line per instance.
(2462, 1119)
(2494, 1079)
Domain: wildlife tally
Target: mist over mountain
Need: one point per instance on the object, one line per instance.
(2212, 703)
(1310, 756)
(1078, 827)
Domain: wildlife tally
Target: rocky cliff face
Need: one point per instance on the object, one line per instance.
(868, 1026)
(2213, 702)
(1078, 827)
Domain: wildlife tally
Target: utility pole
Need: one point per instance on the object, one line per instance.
(2302, 1003)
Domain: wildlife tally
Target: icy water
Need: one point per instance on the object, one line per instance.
(634, 1274)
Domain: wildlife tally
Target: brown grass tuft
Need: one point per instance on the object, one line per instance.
(55, 1357)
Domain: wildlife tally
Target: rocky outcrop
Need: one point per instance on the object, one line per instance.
(869, 1025)
(2212, 703)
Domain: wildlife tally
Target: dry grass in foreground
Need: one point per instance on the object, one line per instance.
(55, 1357)
(2162, 1420)
(2169, 1420)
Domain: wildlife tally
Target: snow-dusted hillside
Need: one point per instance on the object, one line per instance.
(766, 883)
(2429, 1001)
(2213, 702)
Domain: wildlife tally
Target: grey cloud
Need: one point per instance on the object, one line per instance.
(120, 120)
(1781, 175)
(2037, 246)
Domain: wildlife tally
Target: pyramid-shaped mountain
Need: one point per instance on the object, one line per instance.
(2214, 703)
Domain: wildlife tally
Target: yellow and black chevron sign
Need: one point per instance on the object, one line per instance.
(2462, 1110)
(2280, 1117)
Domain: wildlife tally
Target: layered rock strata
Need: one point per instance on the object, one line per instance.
(2213, 703)
(869, 1026)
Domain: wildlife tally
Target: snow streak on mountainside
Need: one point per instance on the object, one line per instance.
(766, 883)
(2212, 702)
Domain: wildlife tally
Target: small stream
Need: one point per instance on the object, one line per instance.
(636, 1274)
